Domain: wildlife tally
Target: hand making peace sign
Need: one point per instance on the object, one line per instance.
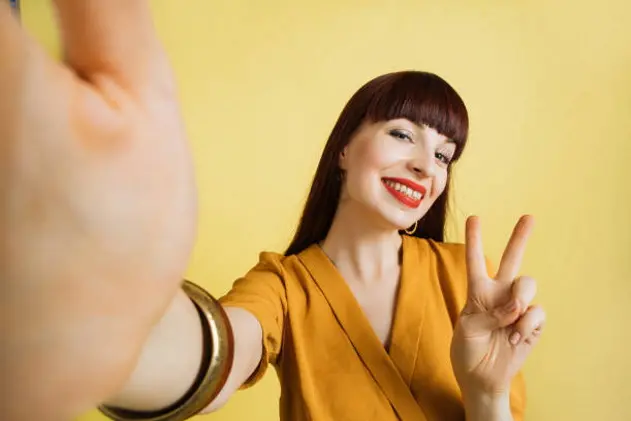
(498, 326)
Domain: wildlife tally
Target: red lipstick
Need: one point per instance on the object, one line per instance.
(406, 191)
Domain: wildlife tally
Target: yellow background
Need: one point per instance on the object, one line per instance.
(548, 86)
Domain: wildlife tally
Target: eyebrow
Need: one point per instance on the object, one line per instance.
(417, 126)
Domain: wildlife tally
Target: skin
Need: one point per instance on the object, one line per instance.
(91, 287)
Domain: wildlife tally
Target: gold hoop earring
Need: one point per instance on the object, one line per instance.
(411, 231)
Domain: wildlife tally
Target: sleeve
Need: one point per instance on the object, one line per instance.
(261, 292)
(490, 268)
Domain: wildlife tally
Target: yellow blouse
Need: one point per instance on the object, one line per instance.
(331, 364)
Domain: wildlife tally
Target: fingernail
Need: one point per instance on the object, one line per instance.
(511, 306)
(514, 338)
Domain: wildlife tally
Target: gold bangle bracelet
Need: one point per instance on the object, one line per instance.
(217, 359)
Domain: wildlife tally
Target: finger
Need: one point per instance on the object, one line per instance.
(534, 336)
(13, 42)
(532, 320)
(111, 37)
(514, 252)
(24, 67)
(524, 290)
(476, 323)
(476, 264)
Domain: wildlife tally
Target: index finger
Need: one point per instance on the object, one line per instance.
(476, 263)
(515, 249)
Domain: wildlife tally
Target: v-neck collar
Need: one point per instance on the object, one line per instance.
(409, 313)
(392, 371)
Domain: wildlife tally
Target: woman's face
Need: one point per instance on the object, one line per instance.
(396, 169)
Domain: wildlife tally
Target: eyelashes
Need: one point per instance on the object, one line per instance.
(444, 157)
(401, 135)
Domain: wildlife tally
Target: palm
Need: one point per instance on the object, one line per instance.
(100, 200)
(497, 307)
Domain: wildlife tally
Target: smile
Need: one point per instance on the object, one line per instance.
(405, 191)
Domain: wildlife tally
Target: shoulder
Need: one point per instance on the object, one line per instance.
(446, 269)
(270, 261)
(266, 273)
(451, 254)
(275, 265)
(446, 263)
(263, 283)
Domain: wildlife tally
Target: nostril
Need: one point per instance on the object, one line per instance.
(418, 170)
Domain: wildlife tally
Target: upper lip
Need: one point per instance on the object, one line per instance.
(409, 183)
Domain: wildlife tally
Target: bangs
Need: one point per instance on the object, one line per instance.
(423, 98)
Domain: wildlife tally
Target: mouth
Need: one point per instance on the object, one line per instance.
(405, 191)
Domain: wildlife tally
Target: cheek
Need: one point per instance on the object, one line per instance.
(365, 161)
(440, 181)
(373, 157)
(364, 172)
(370, 155)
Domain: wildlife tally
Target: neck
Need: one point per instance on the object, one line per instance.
(360, 247)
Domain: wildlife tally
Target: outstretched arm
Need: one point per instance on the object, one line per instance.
(171, 359)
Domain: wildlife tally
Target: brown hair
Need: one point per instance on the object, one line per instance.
(421, 97)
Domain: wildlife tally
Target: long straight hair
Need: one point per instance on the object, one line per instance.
(421, 97)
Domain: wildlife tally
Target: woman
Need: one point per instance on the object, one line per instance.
(360, 320)
(357, 318)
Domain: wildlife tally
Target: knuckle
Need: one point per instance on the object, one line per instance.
(527, 281)
(539, 311)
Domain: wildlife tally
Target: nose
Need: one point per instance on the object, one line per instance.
(423, 163)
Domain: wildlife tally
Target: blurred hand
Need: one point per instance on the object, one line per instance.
(98, 205)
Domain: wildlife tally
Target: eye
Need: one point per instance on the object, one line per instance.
(444, 158)
(401, 135)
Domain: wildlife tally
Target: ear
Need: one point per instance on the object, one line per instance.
(344, 158)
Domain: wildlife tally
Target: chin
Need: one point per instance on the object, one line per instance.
(399, 220)
(390, 215)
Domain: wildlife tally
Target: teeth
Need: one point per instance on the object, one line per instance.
(404, 189)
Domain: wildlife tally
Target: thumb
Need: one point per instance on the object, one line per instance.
(487, 321)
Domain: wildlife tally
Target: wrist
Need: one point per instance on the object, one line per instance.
(481, 406)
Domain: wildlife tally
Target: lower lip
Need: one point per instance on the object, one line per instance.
(403, 198)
